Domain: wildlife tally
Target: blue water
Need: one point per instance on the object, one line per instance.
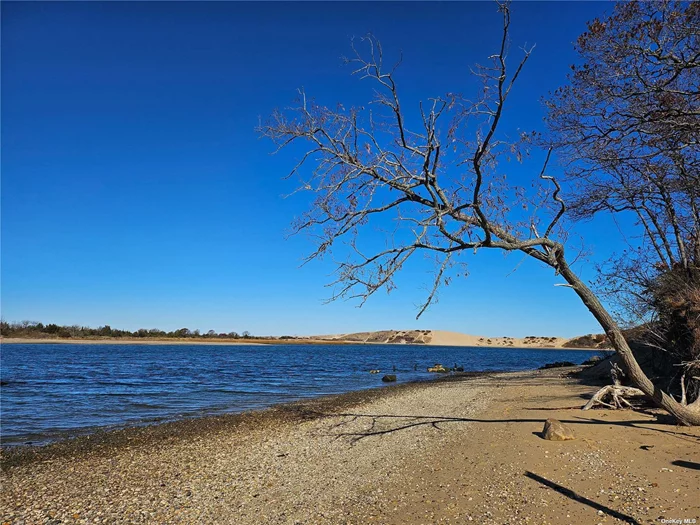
(51, 391)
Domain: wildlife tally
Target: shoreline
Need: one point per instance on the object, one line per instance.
(94, 440)
(272, 342)
(449, 450)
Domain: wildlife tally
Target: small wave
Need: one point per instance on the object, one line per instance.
(230, 391)
(12, 382)
(141, 404)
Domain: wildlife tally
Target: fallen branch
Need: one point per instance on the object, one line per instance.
(616, 392)
(618, 395)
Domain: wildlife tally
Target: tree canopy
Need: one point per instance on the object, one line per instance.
(444, 184)
(627, 127)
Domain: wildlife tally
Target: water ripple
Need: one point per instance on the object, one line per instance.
(51, 391)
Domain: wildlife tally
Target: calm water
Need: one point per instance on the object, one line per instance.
(50, 391)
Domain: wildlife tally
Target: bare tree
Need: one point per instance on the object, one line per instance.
(628, 128)
(438, 183)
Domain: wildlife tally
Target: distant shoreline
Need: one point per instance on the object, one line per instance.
(264, 342)
(130, 341)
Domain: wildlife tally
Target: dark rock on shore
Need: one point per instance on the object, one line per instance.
(557, 364)
(389, 378)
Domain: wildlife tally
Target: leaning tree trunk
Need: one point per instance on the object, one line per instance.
(684, 414)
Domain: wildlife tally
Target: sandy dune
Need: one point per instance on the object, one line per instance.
(444, 338)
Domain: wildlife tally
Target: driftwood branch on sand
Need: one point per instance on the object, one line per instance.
(616, 394)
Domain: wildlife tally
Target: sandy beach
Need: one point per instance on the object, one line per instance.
(457, 450)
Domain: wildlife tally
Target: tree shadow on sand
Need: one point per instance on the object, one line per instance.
(581, 499)
(383, 424)
(377, 425)
(686, 464)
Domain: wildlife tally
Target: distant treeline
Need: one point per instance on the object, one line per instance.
(41, 330)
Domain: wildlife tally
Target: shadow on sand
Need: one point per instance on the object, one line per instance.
(383, 424)
(686, 464)
(581, 499)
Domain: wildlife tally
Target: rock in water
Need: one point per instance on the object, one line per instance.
(555, 430)
(389, 378)
(557, 364)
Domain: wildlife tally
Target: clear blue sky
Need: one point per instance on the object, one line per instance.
(136, 193)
